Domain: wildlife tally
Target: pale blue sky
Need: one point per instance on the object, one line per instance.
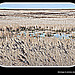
(37, 6)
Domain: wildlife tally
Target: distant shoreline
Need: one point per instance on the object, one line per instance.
(37, 9)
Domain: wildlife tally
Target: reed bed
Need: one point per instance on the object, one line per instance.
(39, 51)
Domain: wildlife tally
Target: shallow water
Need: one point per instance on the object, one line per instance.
(30, 34)
(19, 34)
(62, 36)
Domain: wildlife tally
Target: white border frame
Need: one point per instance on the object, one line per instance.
(37, 66)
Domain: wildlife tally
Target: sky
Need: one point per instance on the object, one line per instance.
(37, 5)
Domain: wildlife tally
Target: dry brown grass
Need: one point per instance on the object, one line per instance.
(27, 51)
(37, 52)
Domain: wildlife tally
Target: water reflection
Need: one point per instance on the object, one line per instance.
(19, 34)
(43, 34)
(63, 36)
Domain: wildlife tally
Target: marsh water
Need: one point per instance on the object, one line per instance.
(57, 35)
